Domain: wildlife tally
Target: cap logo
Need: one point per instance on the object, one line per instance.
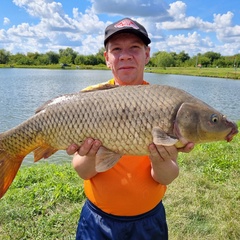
(126, 23)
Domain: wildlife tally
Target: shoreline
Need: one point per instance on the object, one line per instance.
(226, 73)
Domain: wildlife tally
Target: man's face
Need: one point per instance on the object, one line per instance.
(127, 56)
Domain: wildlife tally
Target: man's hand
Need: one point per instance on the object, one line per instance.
(84, 158)
(88, 148)
(161, 153)
(164, 162)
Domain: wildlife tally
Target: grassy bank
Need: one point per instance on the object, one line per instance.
(228, 73)
(203, 203)
(57, 66)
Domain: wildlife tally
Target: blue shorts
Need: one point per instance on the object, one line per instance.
(94, 224)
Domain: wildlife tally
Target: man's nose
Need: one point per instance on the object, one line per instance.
(125, 55)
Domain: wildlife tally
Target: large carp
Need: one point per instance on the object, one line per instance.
(125, 119)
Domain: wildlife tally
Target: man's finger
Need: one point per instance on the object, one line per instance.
(85, 147)
(72, 149)
(186, 149)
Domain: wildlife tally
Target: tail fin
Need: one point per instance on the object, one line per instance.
(9, 166)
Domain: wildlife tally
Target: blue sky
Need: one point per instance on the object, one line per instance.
(174, 26)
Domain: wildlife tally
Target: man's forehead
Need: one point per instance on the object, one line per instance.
(125, 37)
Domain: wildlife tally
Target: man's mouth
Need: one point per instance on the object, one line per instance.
(126, 68)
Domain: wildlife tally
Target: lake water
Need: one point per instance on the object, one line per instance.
(23, 90)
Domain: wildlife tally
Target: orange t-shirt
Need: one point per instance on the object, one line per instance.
(128, 188)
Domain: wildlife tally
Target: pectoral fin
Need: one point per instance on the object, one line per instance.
(106, 159)
(161, 138)
(43, 152)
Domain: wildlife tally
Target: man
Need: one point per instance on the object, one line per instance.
(125, 202)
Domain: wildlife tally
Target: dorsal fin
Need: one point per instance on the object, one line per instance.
(99, 87)
(54, 101)
(67, 96)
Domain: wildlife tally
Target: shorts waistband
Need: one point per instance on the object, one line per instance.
(97, 210)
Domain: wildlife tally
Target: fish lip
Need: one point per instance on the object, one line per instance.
(233, 131)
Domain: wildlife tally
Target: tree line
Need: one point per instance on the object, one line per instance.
(159, 59)
(64, 56)
(182, 59)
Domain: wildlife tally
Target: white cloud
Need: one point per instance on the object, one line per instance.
(55, 29)
(3, 36)
(190, 43)
(91, 44)
(169, 27)
(6, 21)
(40, 8)
(180, 21)
(225, 31)
(196, 34)
(22, 30)
(227, 49)
(89, 22)
(51, 14)
(223, 20)
(177, 10)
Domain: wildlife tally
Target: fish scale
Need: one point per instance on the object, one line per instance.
(125, 119)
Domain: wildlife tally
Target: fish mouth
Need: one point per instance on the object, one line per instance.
(233, 131)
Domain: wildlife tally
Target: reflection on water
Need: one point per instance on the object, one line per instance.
(23, 90)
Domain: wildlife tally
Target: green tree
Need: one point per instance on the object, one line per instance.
(67, 56)
(230, 61)
(100, 56)
(33, 57)
(42, 59)
(163, 59)
(221, 62)
(80, 59)
(237, 58)
(212, 56)
(52, 57)
(90, 60)
(4, 56)
(183, 57)
(20, 59)
(204, 61)
(66, 59)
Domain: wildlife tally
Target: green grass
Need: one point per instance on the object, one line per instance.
(203, 203)
(45, 200)
(229, 73)
(57, 66)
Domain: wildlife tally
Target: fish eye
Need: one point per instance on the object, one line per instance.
(214, 118)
